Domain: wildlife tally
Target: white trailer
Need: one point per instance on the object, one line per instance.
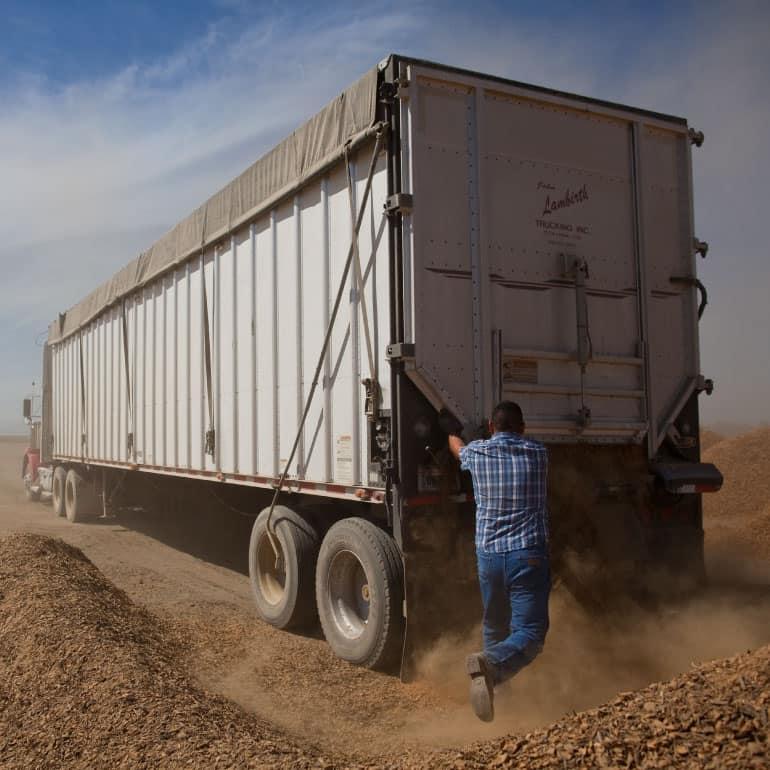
(457, 239)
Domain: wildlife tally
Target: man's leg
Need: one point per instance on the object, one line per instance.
(496, 620)
(528, 585)
(495, 628)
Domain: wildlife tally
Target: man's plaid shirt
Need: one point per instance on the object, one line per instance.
(509, 480)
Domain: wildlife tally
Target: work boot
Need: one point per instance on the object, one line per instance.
(482, 686)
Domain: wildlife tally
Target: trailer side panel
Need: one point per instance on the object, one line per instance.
(230, 340)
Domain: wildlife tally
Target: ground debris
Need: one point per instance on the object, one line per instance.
(715, 716)
(89, 679)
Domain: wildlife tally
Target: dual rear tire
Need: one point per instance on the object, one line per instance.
(359, 594)
(73, 495)
(58, 490)
(352, 582)
(283, 584)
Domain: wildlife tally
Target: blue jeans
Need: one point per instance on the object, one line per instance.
(514, 589)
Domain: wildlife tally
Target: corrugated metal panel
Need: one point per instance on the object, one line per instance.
(268, 289)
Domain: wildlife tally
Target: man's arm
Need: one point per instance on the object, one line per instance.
(453, 428)
(455, 445)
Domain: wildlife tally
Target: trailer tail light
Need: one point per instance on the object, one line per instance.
(707, 487)
(682, 478)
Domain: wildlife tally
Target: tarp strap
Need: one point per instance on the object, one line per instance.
(358, 274)
(210, 444)
(129, 402)
(83, 427)
(327, 339)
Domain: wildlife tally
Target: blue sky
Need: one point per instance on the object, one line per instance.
(117, 119)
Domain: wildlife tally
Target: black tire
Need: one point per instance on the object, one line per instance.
(284, 594)
(359, 593)
(80, 502)
(57, 490)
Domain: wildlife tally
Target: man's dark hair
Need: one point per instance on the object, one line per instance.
(508, 417)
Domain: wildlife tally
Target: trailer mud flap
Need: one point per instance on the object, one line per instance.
(441, 584)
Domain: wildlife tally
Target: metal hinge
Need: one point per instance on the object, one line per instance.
(398, 89)
(400, 351)
(400, 203)
(700, 247)
(696, 137)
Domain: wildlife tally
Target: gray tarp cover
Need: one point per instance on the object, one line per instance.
(297, 158)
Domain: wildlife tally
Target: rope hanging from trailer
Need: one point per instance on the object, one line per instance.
(83, 424)
(358, 274)
(210, 439)
(352, 252)
(129, 402)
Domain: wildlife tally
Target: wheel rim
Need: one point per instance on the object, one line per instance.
(271, 578)
(349, 593)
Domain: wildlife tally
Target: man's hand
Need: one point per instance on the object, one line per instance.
(453, 428)
(449, 423)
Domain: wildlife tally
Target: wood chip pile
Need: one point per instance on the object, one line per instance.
(714, 717)
(88, 679)
(708, 438)
(740, 513)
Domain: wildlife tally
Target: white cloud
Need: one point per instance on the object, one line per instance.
(95, 170)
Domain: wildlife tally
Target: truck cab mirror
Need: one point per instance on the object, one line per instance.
(26, 409)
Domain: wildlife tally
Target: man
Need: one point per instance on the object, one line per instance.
(509, 481)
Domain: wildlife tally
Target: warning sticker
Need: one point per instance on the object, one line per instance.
(429, 478)
(520, 370)
(343, 468)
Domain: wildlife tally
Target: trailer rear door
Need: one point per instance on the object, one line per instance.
(544, 236)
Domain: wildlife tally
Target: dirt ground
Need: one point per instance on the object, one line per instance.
(90, 679)
(190, 570)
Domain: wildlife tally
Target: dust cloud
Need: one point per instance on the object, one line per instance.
(591, 656)
(587, 661)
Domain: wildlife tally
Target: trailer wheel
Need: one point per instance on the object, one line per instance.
(283, 592)
(57, 490)
(359, 593)
(79, 498)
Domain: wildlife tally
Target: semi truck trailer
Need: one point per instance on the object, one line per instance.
(434, 238)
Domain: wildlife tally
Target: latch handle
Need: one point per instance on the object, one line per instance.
(689, 280)
(497, 363)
